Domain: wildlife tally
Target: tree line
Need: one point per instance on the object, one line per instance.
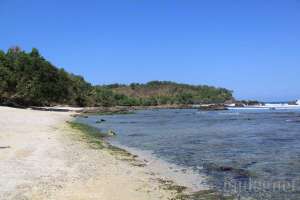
(28, 79)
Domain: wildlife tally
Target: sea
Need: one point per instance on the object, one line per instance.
(250, 153)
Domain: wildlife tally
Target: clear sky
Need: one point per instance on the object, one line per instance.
(251, 47)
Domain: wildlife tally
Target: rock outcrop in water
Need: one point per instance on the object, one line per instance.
(111, 133)
(100, 121)
(213, 107)
(245, 103)
(297, 102)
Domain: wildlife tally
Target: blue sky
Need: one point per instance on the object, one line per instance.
(251, 47)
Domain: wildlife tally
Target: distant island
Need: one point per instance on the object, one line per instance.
(28, 79)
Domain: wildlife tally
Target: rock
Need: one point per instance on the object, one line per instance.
(240, 105)
(292, 103)
(111, 133)
(229, 102)
(213, 107)
(100, 121)
(225, 168)
(136, 135)
(251, 103)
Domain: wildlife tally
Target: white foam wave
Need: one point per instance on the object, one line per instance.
(279, 106)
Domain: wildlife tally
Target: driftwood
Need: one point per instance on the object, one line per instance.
(4, 147)
(50, 109)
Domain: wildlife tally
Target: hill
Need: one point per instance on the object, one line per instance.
(166, 92)
(28, 79)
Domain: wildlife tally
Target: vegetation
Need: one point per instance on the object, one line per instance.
(90, 134)
(95, 139)
(28, 79)
(182, 194)
(165, 92)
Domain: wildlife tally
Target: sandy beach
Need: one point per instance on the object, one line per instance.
(40, 158)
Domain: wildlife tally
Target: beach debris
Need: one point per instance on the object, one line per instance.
(111, 133)
(53, 109)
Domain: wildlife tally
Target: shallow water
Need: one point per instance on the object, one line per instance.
(251, 153)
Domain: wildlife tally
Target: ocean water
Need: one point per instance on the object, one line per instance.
(248, 153)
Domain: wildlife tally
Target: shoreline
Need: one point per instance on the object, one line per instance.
(193, 184)
(160, 172)
(183, 176)
(47, 159)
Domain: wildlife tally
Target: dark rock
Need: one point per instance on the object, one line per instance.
(244, 103)
(292, 103)
(225, 168)
(100, 121)
(111, 133)
(240, 105)
(213, 107)
(136, 135)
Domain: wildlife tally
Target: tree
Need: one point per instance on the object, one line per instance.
(29, 79)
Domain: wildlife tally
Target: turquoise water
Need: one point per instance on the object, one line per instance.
(250, 153)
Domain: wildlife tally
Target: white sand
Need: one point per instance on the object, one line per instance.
(44, 161)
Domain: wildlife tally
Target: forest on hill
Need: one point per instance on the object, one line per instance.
(28, 79)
